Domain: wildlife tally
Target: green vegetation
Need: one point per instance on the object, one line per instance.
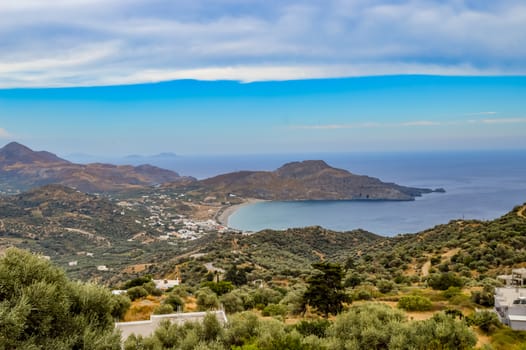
(325, 289)
(278, 273)
(41, 308)
(369, 326)
(415, 303)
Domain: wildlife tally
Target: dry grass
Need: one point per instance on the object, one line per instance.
(136, 268)
(141, 309)
(190, 304)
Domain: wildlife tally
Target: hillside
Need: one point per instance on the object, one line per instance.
(308, 180)
(69, 225)
(56, 210)
(22, 168)
(471, 249)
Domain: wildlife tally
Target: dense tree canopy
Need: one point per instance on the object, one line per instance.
(40, 308)
(325, 289)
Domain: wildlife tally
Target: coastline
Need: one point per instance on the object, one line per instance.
(225, 213)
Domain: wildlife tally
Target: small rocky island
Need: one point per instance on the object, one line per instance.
(309, 180)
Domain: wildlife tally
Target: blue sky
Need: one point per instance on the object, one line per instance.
(266, 76)
(393, 113)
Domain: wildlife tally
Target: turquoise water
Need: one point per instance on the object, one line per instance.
(479, 185)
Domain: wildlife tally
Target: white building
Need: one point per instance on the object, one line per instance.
(510, 301)
(166, 284)
(146, 328)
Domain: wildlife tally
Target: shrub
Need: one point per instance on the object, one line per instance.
(316, 327)
(135, 293)
(40, 308)
(220, 288)
(275, 310)
(174, 301)
(486, 320)
(415, 303)
(163, 309)
(207, 300)
(451, 292)
(385, 286)
(443, 281)
(231, 302)
(137, 282)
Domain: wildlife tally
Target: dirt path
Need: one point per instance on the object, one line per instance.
(450, 253)
(319, 254)
(521, 212)
(425, 268)
(210, 267)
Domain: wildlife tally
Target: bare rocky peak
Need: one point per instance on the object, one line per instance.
(15, 152)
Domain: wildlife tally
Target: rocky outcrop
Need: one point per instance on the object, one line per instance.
(309, 180)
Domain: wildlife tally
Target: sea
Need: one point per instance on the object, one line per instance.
(479, 185)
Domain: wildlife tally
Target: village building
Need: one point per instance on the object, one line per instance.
(146, 328)
(166, 284)
(510, 301)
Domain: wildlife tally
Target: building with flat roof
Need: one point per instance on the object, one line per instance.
(510, 301)
(146, 328)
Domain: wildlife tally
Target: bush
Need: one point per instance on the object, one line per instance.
(40, 308)
(231, 303)
(415, 303)
(484, 297)
(174, 301)
(316, 327)
(220, 288)
(487, 321)
(451, 292)
(137, 282)
(135, 293)
(151, 289)
(443, 281)
(206, 299)
(121, 304)
(385, 286)
(265, 296)
(275, 310)
(163, 309)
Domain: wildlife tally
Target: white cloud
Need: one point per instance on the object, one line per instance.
(415, 123)
(504, 121)
(4, 134)
(420, 123)
(481, 113)
(96, 42)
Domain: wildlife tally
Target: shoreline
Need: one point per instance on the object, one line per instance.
(226, 212)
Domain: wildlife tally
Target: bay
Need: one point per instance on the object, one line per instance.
(479, 185)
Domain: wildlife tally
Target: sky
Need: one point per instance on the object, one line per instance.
(262, 76)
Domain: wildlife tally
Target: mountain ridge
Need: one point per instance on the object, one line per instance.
(22, 168)
(309, 180)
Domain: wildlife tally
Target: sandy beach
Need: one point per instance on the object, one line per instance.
(225, 213)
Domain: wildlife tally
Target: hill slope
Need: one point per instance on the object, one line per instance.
(471, 249)
(308, 180)
(22, 169)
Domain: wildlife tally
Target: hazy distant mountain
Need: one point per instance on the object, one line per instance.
(308, 180)
(14, 152)
(22, 168)
(164, 155)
